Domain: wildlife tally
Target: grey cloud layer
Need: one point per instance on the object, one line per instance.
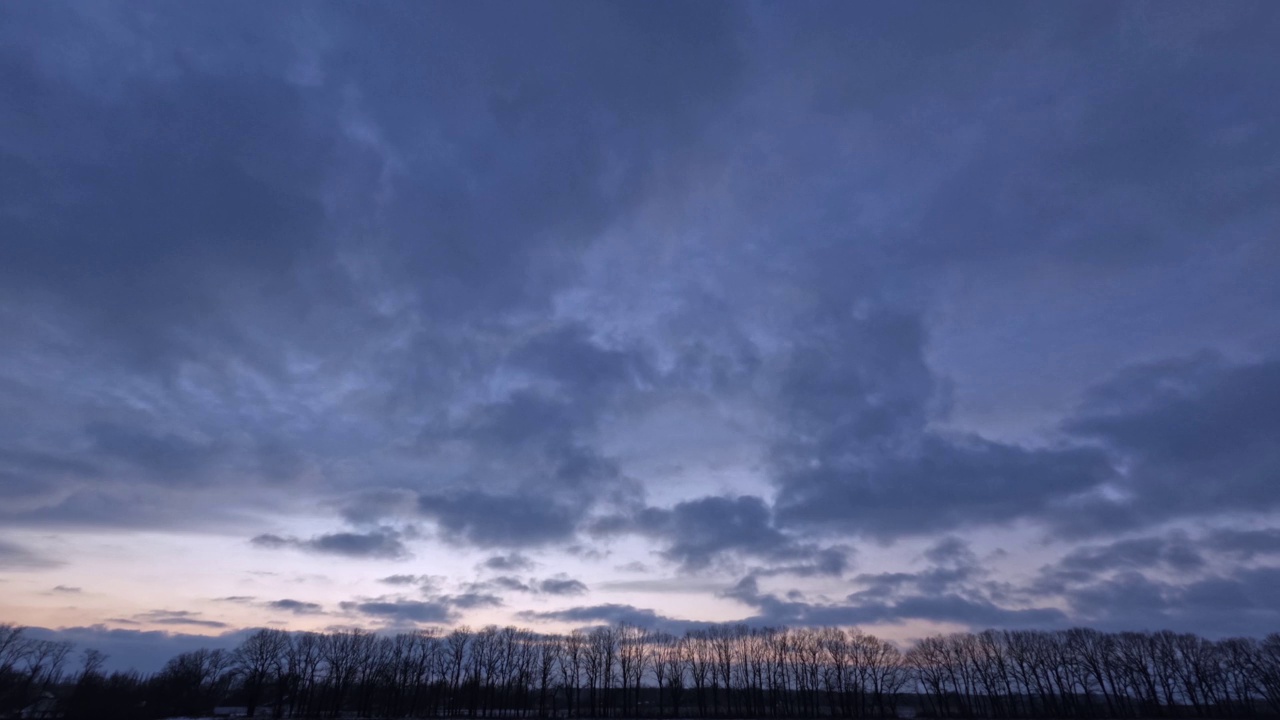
(439, 269)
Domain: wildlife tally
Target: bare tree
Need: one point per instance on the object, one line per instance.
(302, 671)
(734, 671)
(633, 658)
(457, 649)
(571, 667)
(260, 663)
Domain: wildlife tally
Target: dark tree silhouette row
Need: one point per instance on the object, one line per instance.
(627, 671)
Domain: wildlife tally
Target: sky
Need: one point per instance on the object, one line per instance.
(915, 317)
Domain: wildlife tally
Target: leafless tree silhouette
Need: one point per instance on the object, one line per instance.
(731, 671)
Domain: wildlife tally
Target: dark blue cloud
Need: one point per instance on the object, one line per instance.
(403, 579)
(613, 613)
(1175, 552)
(469, 601)
(139, 209)
(1245, 544)
(698, 532)
(562, 586)
(1241, 602)
(507, 582)
(968, 482)
(377, 544)
(178, 617)
(1198, 435)
(489, 520)
(509, 562)
(412, 611)
(297, 607)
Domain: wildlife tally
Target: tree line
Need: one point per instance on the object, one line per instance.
(732, 671)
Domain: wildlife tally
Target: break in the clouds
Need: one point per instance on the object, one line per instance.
(906, 316)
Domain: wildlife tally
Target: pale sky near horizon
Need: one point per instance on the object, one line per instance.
(913, 316)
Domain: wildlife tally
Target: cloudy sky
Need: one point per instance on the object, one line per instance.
(915, 317)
